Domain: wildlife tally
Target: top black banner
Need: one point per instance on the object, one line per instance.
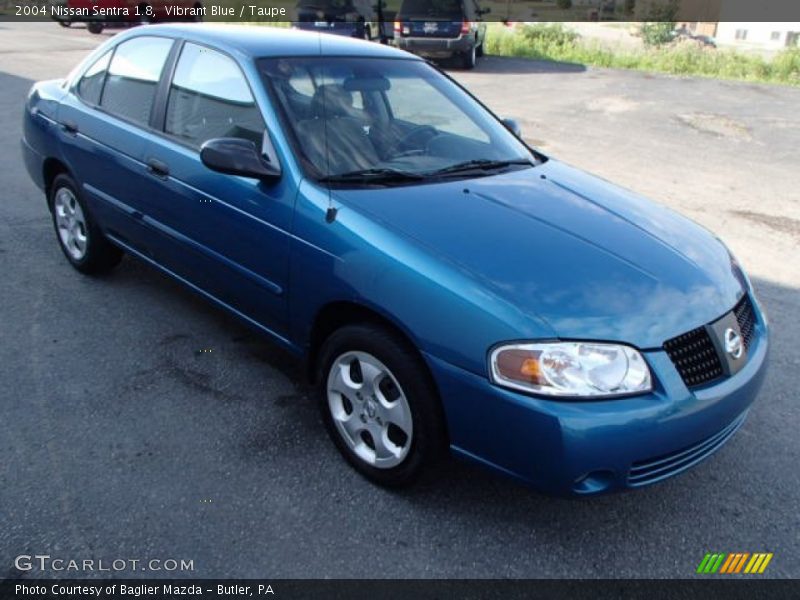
(388, 12)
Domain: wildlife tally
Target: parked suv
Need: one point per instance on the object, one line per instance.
(441, 29)
(340, 17)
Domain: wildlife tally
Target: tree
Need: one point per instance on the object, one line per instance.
(660, 23)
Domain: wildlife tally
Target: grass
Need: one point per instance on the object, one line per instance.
(556, 43)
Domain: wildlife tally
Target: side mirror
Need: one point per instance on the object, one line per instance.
(236, 156)
(513, 127)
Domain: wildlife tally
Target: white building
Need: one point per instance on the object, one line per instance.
(758, 36)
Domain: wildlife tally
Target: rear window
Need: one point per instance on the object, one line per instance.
(442, 9)
(91, 84)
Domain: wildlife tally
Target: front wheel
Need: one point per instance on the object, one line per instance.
(65, 23)
(379, 405)
(80, 239)
(95, 28)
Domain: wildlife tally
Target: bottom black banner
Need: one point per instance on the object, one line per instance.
(155, 589)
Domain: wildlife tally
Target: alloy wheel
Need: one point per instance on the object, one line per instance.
(370, 410)
(71, 223)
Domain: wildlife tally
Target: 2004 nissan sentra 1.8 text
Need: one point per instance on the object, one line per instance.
(448, 285)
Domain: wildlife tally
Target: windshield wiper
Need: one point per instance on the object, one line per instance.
(480, 164)
(374, 175)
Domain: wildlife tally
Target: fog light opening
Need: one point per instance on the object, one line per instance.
(594, 482)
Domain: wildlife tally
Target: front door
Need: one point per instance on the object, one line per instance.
(227, 235)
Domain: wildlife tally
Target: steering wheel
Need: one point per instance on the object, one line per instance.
(396, 151)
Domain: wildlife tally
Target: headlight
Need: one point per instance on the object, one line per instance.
(579, 369)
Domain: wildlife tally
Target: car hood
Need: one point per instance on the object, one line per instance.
(591, 259)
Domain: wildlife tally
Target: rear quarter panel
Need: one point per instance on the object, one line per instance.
(40, 129)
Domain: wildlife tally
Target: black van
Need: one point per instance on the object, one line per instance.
(440, 29)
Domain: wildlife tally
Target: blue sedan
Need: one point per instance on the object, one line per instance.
(447, 285)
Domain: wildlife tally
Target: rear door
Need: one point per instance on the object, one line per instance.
(105, 125)
(227, 235)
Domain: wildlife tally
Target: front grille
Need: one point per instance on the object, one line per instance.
(655, 469)
(695, 357)
(746, 317)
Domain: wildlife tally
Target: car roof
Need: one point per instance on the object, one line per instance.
(258, 42)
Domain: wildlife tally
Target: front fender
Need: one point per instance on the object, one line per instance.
(442, 309)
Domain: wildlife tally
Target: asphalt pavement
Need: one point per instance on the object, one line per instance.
(121, 438)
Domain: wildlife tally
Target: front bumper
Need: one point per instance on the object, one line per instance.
(591, 447)
(435, 47)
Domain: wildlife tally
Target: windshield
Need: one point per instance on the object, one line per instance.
(386, 118)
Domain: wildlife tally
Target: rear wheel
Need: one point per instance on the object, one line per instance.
(95, 28)
(479, 50)
(65, 23)
(80, 239)
(469, 57)
(378, 404)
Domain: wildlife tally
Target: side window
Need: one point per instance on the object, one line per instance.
(209, 98)
(133, 77)
(91, 84)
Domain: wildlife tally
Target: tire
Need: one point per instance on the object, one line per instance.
(367, 33)
(95, 28)
(403, 408)
(479, 50)
(199, 17)
(65, 23)
(469, 57)
(80, 239)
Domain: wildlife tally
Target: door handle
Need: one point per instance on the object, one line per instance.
(157, 168)
(71, 127)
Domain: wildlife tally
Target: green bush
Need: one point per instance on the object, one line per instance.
(544, 35)
(657, 33)
(556, 43)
